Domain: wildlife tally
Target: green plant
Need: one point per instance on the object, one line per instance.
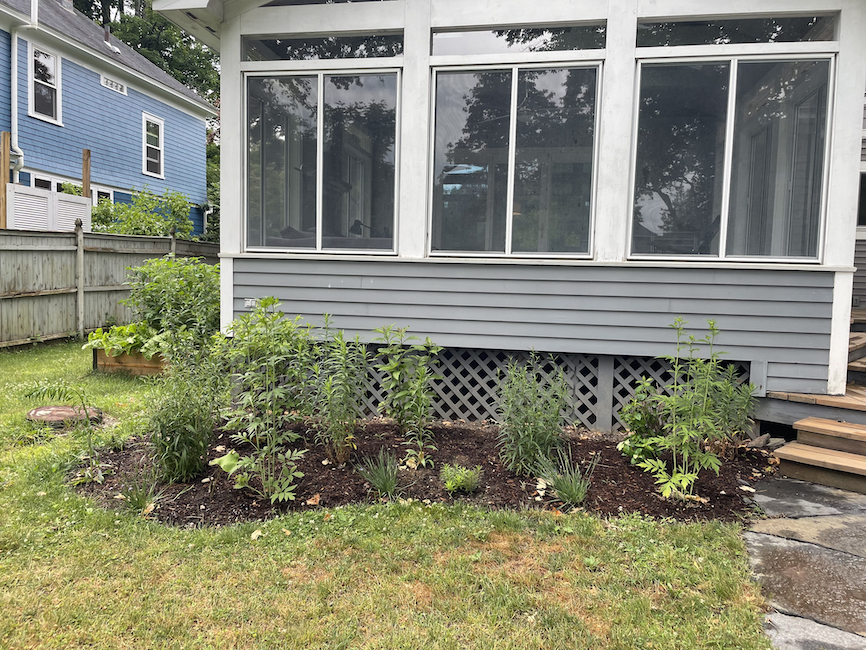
(185, 407)
(701, 411)
(148, 214)
(406, 375)
(343, 368)
(61, 390)
(123, 339)
(381, 473)
(569, 483)
(140, 489)
(461, 479)
(173, 294)
(530, 414)
(272, 359)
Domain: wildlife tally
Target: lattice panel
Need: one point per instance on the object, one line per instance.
(627, 371)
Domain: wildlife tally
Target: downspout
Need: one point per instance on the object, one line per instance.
(16, 150)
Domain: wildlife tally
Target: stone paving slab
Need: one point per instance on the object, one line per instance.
(845, 533)
(791, 498)
(806, 580)
(795, 633)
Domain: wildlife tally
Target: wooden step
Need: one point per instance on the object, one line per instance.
(832, 434)
(856, 346)
(824, 466)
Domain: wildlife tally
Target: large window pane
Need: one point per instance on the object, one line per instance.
(680, 152)
(470, 160)
(778, 158)
(281, 185)
(553, 167)
(359, 161)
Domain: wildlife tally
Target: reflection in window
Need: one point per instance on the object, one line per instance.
(861, 210)
(289, 3)
(778, 161)
(746, 30)
(358, 161)
(679, 164)
(547, 39)
(45, 85)
(322, 47)
(552, 165)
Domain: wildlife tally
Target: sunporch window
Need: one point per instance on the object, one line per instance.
(730, 158)
(321, 161)
(513, 160)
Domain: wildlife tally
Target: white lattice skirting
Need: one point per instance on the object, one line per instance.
(600, 385)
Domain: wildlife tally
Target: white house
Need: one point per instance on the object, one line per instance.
(566, 176)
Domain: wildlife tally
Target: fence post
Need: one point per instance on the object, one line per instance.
(173, 233)
(79, 276)
(5, 144)
(85, 173)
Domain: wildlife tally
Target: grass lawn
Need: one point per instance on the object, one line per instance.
(400, 575)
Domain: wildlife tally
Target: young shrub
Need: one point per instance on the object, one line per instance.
(461, 479)
(569, 483)
(703, 410)
(186, 404)
(272, 358)
(148, 214)
(530, 415)
(381, 473)
(174, 294)
(343, 368)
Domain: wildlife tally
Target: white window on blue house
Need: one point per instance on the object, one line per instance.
(44, 85)
(152, 145)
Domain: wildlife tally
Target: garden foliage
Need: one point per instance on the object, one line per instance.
(461, 479)
(570, 483)
(676, 430)
(530, 414)
(148, 214)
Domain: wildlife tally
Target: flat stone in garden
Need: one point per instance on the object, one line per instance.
(821, 584)
(791, 498)
(845, 533)
(59, 417)
(795, 633)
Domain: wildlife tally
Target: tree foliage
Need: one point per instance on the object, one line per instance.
(148, 214)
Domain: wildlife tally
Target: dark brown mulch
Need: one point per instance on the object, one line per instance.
(617, 487)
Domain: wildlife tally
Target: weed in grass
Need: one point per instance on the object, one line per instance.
(568, 481)
(381, 473)
(461, 479)
(530, 414)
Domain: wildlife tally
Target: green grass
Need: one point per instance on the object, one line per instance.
(404, 575)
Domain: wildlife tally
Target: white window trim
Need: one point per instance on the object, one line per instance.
(676, 55)
(58, 180)
(31, 81)
(145, 118)
(320, 72)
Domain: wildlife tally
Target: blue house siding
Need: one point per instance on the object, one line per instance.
(110, 125)
(5, 82)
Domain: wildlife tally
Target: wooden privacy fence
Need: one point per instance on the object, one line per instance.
(54, 285)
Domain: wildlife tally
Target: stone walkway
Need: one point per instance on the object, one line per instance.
(810, 558)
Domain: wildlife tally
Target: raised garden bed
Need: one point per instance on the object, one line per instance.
(133, 363)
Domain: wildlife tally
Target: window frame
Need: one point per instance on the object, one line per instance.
(145, 118)
(320, 71)
(514, 63)
(56, 181)
(32, 81)
(734, 55)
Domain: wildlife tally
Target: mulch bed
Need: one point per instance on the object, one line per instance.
(617, 487)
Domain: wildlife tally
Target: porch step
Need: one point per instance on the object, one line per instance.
(856, 346)
(832, 434)
(824, 466)
(857, 371)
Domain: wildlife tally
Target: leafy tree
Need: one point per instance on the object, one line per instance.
(148, 214)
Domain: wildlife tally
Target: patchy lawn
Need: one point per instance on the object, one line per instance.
(399, 575)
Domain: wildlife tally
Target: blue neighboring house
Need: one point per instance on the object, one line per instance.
(76, 87)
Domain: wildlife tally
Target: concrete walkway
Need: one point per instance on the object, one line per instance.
(810, 558)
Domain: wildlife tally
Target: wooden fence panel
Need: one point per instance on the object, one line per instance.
(39, 287)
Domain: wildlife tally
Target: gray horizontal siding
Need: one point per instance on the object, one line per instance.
(778, 316)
